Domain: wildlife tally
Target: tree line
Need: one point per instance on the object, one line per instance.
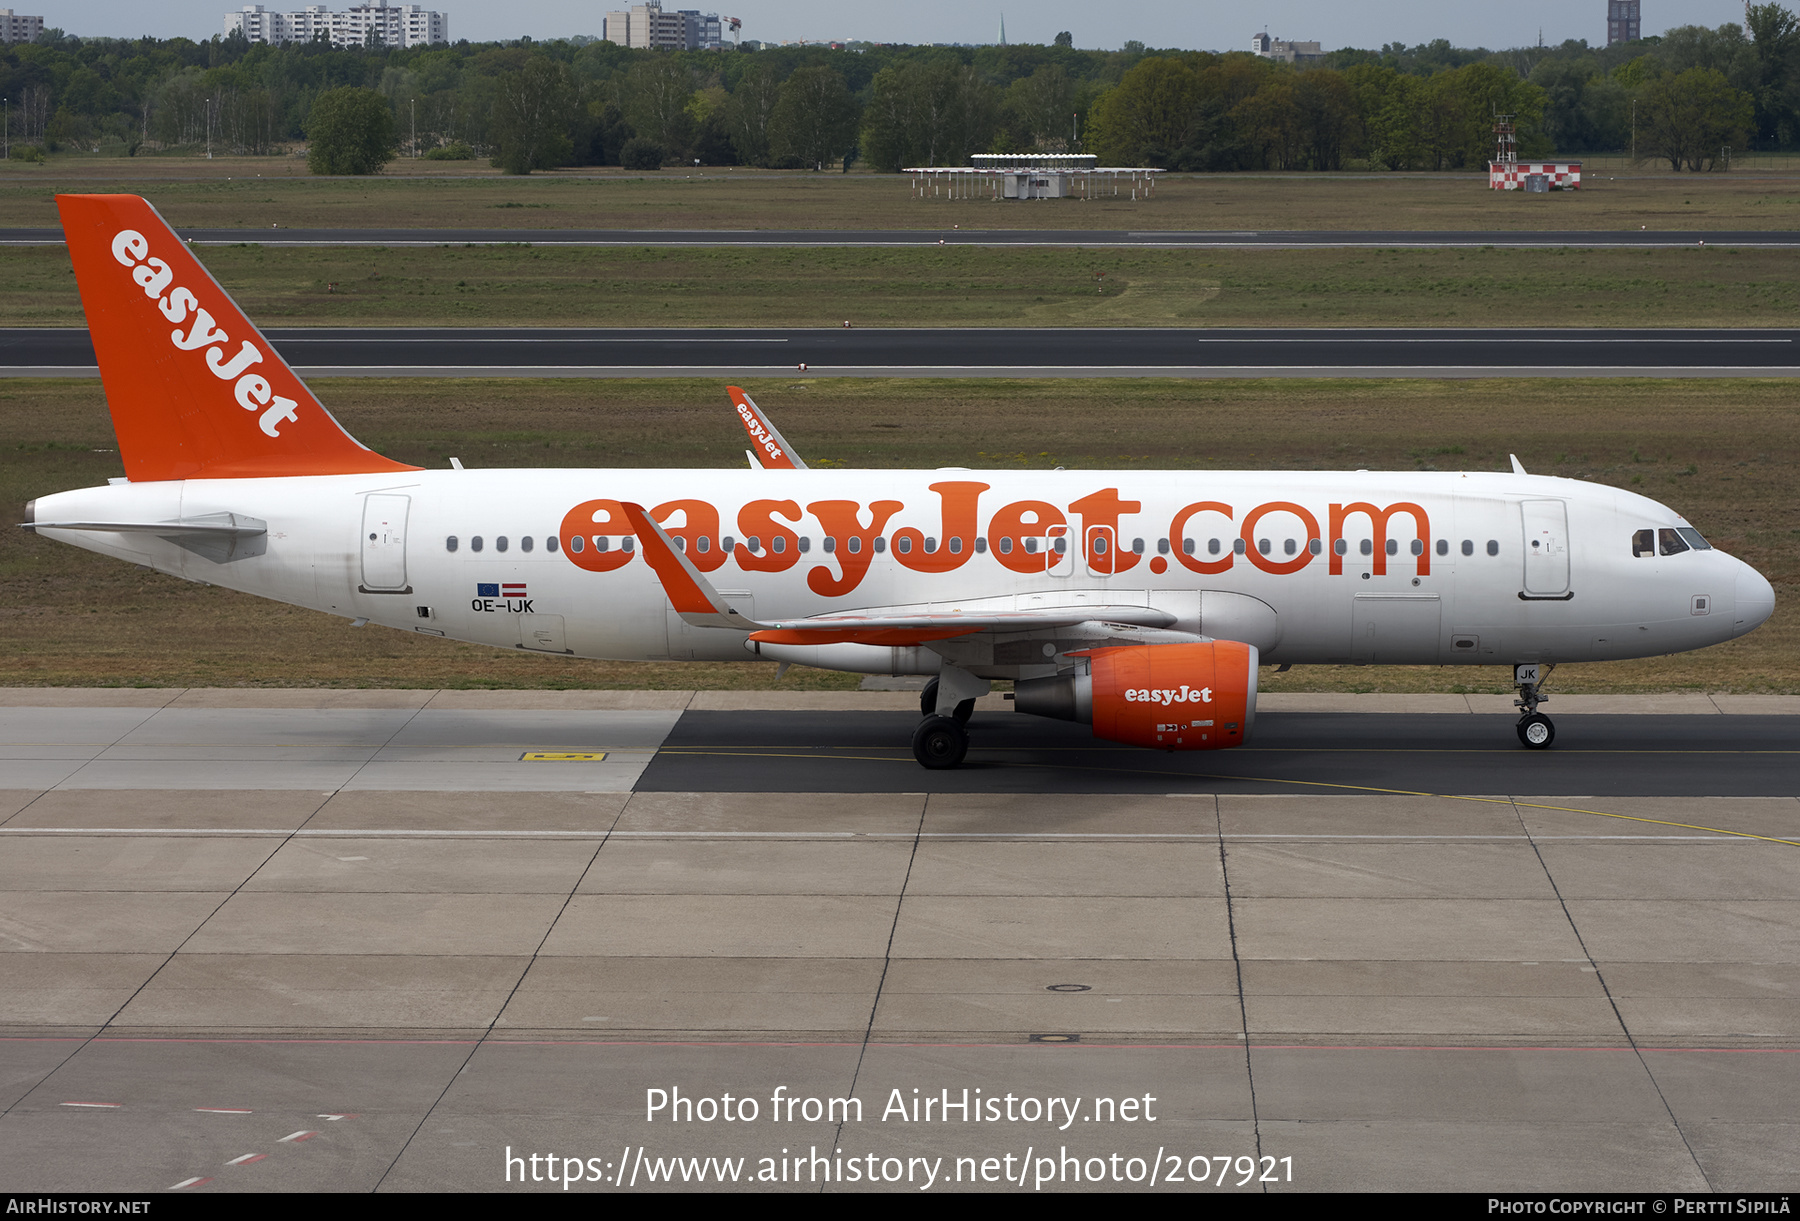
(1685, 97)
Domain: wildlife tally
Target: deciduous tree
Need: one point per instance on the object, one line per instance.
(349, 131)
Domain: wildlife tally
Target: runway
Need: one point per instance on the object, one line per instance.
(361, 940)
(1320, 239)
(1009, 352)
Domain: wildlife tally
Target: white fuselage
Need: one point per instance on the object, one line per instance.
(1434, 568)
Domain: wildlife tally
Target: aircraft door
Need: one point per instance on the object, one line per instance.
(384, 544)
(1546, 525)
(1102, 551)
(1395, 629)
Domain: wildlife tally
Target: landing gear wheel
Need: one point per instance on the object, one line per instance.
(1536, 731)
(928, 704)
(940, 742)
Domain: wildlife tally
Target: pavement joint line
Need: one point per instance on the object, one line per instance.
(1237, 967)
(500, 1009)
(1612, 1001)
(1719, 837)
(887, 962)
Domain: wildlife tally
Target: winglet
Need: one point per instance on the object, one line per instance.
(691, 594)
(770, 449)
(1518, 467)
(195, 390)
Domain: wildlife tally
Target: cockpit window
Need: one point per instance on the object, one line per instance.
(1670, 542)
(1643, 544)
(1693, 538)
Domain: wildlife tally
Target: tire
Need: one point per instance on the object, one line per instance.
(928, 699)
(1536, 731)
(939, 743)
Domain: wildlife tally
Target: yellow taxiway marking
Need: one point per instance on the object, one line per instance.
(1320, 784)
(562, 756)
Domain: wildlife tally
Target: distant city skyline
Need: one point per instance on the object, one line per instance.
(1207, 25)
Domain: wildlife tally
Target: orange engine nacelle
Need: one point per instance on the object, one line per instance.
(1166, 696)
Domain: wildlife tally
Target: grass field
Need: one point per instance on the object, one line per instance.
(1721, 452)
(256, 192)
(962, 286)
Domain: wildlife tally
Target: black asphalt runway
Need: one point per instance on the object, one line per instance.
(1271, 239)
(1019, 351)
(1290, 753)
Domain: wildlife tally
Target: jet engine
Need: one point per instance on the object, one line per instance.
(1199, 696)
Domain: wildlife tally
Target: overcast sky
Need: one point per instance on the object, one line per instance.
(1198, 24)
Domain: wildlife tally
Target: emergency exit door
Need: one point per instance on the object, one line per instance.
(384, 544)
(1546, 527)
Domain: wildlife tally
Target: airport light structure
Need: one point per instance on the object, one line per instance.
(1031, 176)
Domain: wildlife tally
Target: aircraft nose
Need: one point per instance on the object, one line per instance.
(1755, 600)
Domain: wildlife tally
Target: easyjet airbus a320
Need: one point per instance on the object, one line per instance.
(1141, 603)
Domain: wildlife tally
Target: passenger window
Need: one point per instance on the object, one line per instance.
(1212, 547)
(1669, 542)
(778, 544)
(956, 546)
(703, 544)
(830, 544)
(1316, 546)
(450, 543)
(500, 543)
(1340, 546)
(475, 543)
(880, 544)
(980, 546)
(931, 546)
(1393, 546)
(855, 545)
(550, 544)
(1005, 545)
(1137, 546)
(576, 543)
(1062, 546)
(1643, 544)
(1418, 546)
(1262, 545)
(525, 543)
(754, 543)
(805, 544)
(602, 543)
(1367, 546)
(903, 546)
(1237, 546)
(728, 544)
(1443, 546)
(628, 543)
(1289, 546)
(1468, 546)
(1493, 546)
(1162, 546)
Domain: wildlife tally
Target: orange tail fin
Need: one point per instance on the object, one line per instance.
(196, 392)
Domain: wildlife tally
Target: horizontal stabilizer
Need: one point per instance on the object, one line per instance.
(219, 537)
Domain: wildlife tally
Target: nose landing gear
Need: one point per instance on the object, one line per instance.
(1536, 731)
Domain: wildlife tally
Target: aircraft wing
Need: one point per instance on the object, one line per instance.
(768, 450)
(697, 602)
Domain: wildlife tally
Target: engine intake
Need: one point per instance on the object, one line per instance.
(1166, 696)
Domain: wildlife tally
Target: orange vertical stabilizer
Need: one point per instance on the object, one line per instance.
(195, 390)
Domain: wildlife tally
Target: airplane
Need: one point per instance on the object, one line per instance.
(1141, 603)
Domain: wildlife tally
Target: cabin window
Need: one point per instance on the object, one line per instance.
(1443, 546)
(855, 545)
(550, 544)
(1368, 546)
(805, 544)
(1162, 546)
(1062, 546)
(703, 544)
(475, 543)
(880, 544)
(931, 546)
(1468, 546)
(1137, 546)
(728, 544)
(956, 546)
(628, 544)
(1289, 546)
(778, 544)
(500, 543)
(525, 543)
(903, 546)
(1237, 546)
(754, 543)
(830, 544)
(1418, 546)
(1005, 545)
(1212, 547)
(576, 543)
(602, 543)
(1316, 546)
(1099, 544)
(1031, 546)
(980, 546)
(450, 543)
(1668, 542)
(1393, 546)
(1493, 546)
(1340, 546)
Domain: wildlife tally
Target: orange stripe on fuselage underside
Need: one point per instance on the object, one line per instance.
(863, 635)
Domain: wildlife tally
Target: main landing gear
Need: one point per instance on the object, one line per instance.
(1536, 731)
(940, 742)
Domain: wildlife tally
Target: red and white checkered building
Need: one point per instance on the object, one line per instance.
(1511, 175)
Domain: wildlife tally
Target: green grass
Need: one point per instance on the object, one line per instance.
(1721, 452)
(255, 192)
(961, 286)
